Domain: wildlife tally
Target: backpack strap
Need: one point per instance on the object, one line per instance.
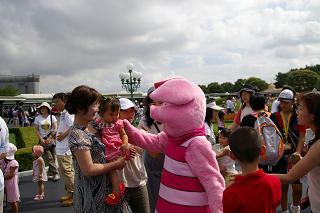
(260, 114)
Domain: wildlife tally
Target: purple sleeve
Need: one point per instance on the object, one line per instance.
(198, 153)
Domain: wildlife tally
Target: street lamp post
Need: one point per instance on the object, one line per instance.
(130, 81)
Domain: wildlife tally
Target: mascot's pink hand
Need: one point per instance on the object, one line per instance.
(198, 153)
(150, 142)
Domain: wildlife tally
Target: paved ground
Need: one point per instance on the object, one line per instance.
(53, 191)
(50, 204)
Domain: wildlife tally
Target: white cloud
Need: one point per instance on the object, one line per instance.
(90, 42)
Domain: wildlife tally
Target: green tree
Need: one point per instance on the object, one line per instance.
(227, 86)
(257, 82)
(281, 79)
(204, 88)
(303, 80)
(238, 84)
(215, 87)
(8, 91)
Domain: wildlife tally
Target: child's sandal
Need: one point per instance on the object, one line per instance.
(38, 197)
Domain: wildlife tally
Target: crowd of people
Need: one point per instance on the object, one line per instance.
(105, 169)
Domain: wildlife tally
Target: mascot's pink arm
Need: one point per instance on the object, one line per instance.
(150, 142)
(199, 152)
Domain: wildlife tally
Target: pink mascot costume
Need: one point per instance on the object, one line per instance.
(191, 181)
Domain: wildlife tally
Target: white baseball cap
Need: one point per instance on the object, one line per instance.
(11, 150)
(286, 95)
(214, 106)
(45, 104)
(125, 103)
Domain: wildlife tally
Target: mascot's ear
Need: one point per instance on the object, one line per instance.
(177, 91)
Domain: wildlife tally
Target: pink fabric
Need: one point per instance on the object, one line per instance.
(163, 205)
(199, 153)
(111, 138)
(183, 111)
(184, 138)
(11, 185)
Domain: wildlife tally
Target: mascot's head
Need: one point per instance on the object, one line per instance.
(183, 108)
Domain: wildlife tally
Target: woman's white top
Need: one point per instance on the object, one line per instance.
(44, 124)
(209, 131)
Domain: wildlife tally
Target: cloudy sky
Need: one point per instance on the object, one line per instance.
(90, 42)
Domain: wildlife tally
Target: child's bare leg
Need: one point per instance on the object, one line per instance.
(14, 207)
(115, 181)
(41, 187)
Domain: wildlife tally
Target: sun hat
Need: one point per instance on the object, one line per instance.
(125, 103)
(214, 106)
(150, 90)
(12, 149)
(286, 95)
(44, 104)
(248, 88)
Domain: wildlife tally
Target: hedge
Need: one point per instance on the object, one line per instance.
(25, 139)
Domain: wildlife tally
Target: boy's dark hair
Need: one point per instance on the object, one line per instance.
(59, 95)
(245, 144)
(225, 132)
(111, 103)
(257, 101)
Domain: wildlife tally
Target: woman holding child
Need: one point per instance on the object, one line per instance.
(308, 114)
(91, 183)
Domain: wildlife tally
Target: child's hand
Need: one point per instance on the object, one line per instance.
(40, 176)
(132, 152)
(124, 148)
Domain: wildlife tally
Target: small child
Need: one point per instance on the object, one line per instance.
(223, 155)
(254, 191)
(39, 174)
(9, 167)
(114, 137)
(220, 120)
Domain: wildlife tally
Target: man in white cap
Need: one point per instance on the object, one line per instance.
(134, 174)
(4, 148)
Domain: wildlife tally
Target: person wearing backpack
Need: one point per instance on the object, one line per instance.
(294, 137)
(271, 136)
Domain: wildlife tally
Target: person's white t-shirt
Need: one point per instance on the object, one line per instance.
(275, 106)
(66, 121)
(228, 162)
(245, 111)
(229, 104)
(209, 131)
(44, 124)
(4, 146)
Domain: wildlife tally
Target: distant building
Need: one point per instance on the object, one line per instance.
(28, 84)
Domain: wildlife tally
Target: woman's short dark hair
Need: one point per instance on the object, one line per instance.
(312, 102)
(81, 98)
(209, 113)
(257, 101)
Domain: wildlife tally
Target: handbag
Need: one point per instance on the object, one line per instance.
(304, 202)
(52, 143)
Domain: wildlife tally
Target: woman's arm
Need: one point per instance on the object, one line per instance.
(305, 165)
(301, 140)
(11, 174)
(90, 169)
